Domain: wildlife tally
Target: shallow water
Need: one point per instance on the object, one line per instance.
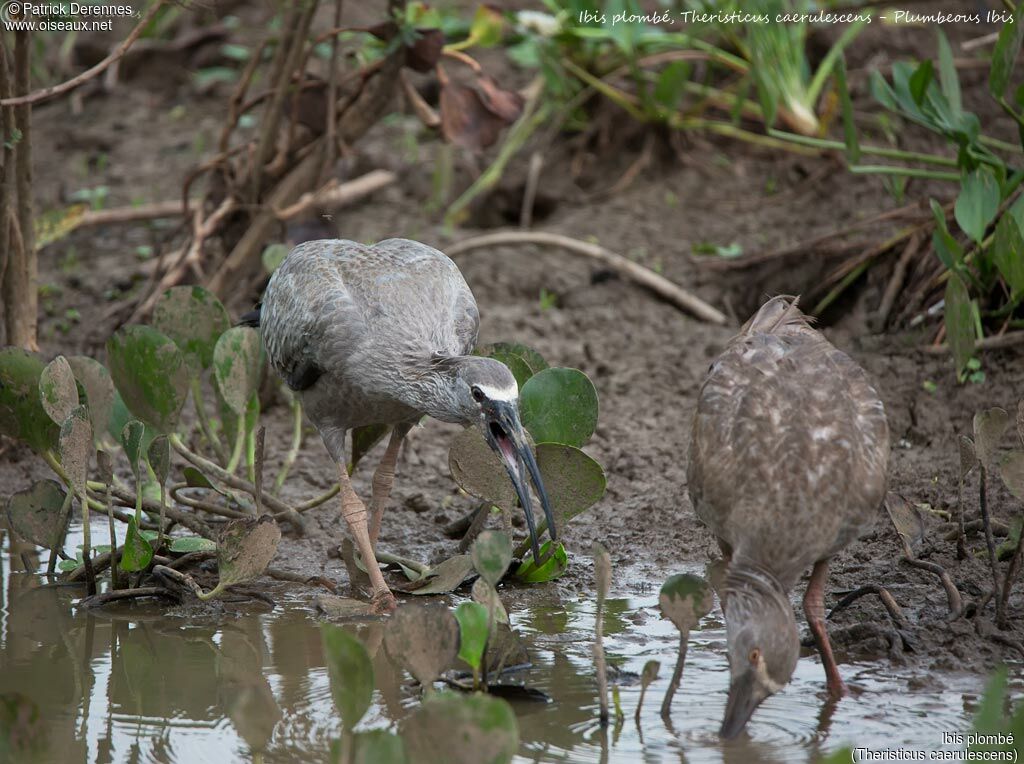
(132, 683)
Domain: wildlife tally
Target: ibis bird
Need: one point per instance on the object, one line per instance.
(383, 334)
(788, 459)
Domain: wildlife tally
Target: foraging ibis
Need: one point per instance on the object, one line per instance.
(788, 459)
(382, 334)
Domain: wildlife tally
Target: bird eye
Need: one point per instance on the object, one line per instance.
(478, 394)
(755, 656)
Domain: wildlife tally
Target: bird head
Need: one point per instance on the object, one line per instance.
(489, 399)
(763, 649)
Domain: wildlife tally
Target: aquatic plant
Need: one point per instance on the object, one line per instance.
(684, 599)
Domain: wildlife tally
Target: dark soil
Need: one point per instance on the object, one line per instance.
(646, 358)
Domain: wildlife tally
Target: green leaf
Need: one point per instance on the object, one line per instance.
(149, 371)
(521, 360)
(946, 247)
(273, 255)
(351, 673)
(849, 125)
(684, 599)
(668, 90)
(492, 554)
(424, 639)
(66, 566)
(57, 389)
(236, 367)
(486, 29)
(22, 415)
(186, 544)
(1005, 52)
(573, 481)
(378, 747)
(364, 439)
(99, 390)
(132, 437)
(920, 80)
(462, 729)
(196, 479)
(1008, 253)
(36, 513)
(478, 470)
(949, 80)
(137, 552)
(990, 717)
(978, 202)
(959, 320)
(550, 568)
(194, 319)
(245, 549)
(159, 456)
(559, 405)
(76, 448)
(473, 619)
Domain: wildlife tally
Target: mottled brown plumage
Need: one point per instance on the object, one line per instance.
(788, 462)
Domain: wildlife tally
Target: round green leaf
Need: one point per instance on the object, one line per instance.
(159, 456)
(137, 552)
(273, 256)
(478, 470)
(462, 729)
(194, 318)
(132, 437)
(550, 568)
(76, 447)
(186, 544)
(424, 639)
(523, 361)
(472, 618)
(22, 415)
(150, 372)
(559, 406)
(196, 479)
(685, 599)
(99, 390)
(378, 747)
(978, 202)
(492, 554)
(57, 389)
(36, 513)
(236, 366)
(574, 482)
(351, 673)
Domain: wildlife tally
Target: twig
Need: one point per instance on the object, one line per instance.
(956, 606)
(631, 270)
(55, 90)
(999, 342)
(891, 606)
(298, 578)
(1011, 574)
(899, 275)
(423, 110)
(336, 195)
(530, 191)
(105, 598)
(989, 540)
(331, 129)
(239, 93)
(170, 209)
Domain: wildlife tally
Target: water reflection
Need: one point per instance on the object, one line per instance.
(139, 683)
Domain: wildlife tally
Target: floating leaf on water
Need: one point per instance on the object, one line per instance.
(968, 458)
(99, 390)
(552, 566)
(351, 673)
(492, 554)
(559, 405)
(685, 599)
(989, 427)
(906, 519)
(424, 639)
(602, 570)
(76, 447)
(478, 470)
(245, 549)
(57, 389)
(35, 513)
(378, 747)
(461, 729)
(149, 371)
(445, 577)
(22, 415)
(137, 552)
(472, 618)
(363, 441)
(159, 456)
(487, 596)
(1012, 472)
(186, 544)
(236, 367)
(193, 318)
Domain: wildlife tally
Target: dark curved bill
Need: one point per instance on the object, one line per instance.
(740, 707)
(504, 434)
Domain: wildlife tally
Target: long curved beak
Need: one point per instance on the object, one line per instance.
(744, 698)
(504, 433)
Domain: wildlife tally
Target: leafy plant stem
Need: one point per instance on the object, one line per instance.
(293, 450)
(906, 172)
(250, 455)
(163, 510)
(880, 151)
(204, 419)
(829, 61)
(115, 578)
(602, 673)
(236, 453)
(839, 288)
(989, 540)
(677, 676)
(65, 509)
(679, 122)
(90, 574)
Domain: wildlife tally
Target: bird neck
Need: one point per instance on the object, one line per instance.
(749, 587)
(428, 387)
